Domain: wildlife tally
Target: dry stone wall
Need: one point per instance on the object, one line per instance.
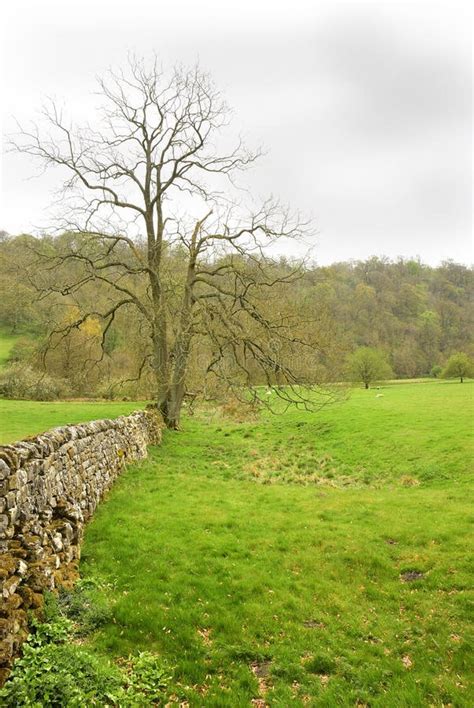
(50, 486)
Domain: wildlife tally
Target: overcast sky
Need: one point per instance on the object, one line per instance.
(364, 108)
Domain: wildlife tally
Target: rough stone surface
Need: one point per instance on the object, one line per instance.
(50, 486)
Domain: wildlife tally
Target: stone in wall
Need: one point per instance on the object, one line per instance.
(50, 486)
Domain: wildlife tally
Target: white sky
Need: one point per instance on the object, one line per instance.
(364, 108)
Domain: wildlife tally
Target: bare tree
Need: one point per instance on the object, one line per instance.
(154, 154)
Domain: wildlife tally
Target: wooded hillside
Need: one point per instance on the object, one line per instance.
(416, 314)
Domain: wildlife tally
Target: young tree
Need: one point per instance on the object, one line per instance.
(154, 154)
(368, 365)
(459, 366)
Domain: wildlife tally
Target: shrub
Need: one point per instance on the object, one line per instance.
(22, 381)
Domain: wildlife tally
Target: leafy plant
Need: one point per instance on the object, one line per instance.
(148, 676)
(60, 675)
(55, 632)
(55, 672)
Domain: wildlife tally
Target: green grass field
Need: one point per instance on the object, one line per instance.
(314, 559)
(309, 559)
(20, 419)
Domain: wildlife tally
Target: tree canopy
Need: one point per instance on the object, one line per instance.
(151, 215)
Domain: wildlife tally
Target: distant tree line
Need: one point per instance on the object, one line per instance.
(400, 318)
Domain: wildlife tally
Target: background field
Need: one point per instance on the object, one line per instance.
(20, 419)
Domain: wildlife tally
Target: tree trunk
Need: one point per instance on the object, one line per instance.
(160, 328)
(182, 344)
(366, 385)
(160, 366)
(176, 395)
(177, 386)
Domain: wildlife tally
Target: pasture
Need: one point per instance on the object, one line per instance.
(20, 419)
(308, 559)
(304, 559)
